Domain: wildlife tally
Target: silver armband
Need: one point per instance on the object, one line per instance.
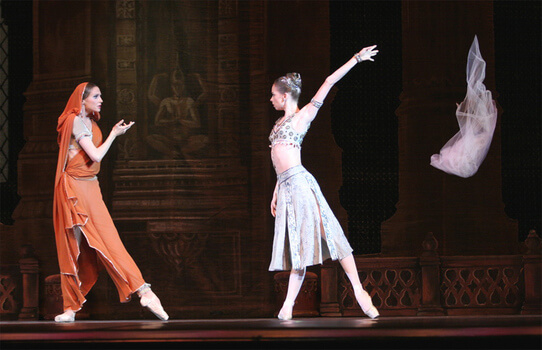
(316, 103)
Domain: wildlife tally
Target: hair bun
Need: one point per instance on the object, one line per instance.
(295, 79)
(291, 83)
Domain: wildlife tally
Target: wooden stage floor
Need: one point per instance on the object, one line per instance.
(445, 332)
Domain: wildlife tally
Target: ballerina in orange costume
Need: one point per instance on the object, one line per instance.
(86, 237)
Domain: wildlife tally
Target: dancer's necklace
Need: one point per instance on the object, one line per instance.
(278, 125)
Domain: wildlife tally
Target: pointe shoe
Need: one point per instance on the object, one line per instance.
(285, 312)
(153, 304)
(372, 312)
(67, 316)
(365, 302)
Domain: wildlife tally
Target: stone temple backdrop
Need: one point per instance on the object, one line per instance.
(189, 188)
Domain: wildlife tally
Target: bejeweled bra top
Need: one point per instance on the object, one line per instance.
(285, 134)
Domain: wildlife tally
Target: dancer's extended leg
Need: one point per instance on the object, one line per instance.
(363, 298)
(294, 286)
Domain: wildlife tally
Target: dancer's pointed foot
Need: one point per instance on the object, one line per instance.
(67, 316)
(151, 302)
(286, 311)
(365, 302)
(372, 312)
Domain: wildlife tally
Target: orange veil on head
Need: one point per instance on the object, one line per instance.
(65, 126)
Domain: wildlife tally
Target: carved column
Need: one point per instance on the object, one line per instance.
(30, 271)
(329, 283)
(430, 266)
(532, 271)
(228, 78)
(261, 179)
(463, 213)
(126, 69)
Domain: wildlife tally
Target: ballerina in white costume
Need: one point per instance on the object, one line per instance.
(306, 231)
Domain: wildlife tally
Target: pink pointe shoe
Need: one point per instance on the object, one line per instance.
(365, 302)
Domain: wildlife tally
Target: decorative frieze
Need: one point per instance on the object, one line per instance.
(227, 8)
(126, 40)
(126, 59)
(126, 9)
(126, 64)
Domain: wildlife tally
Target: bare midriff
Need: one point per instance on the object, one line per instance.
(285, 156)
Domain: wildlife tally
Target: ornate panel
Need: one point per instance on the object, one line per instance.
(393, 284)
(10, 292)
(205, 262)
(189, 212)
(480, 284)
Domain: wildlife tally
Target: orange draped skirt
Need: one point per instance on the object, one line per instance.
(79, 206)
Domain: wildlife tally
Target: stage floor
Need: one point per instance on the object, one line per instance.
(443, 332)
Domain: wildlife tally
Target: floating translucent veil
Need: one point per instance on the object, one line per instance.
(477, 117)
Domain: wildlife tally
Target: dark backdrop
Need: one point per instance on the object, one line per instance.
(366, 103)
(363, 115)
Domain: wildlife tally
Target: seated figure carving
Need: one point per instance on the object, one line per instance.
(176, 132)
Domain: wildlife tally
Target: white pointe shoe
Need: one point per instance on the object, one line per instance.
(153, 304)
(372, 312)
(365, 302)
(67, 316)
(286, 311)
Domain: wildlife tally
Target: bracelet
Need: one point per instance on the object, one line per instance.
(316, 103)
(358, 57)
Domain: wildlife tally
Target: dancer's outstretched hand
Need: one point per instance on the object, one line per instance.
(367, 53)
(121, 127)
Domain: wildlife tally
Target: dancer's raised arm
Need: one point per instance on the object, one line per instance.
(308, 113)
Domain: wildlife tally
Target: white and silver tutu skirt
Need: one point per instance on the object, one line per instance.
(298, 238)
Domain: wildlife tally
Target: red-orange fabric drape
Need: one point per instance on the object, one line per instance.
(78, 204)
